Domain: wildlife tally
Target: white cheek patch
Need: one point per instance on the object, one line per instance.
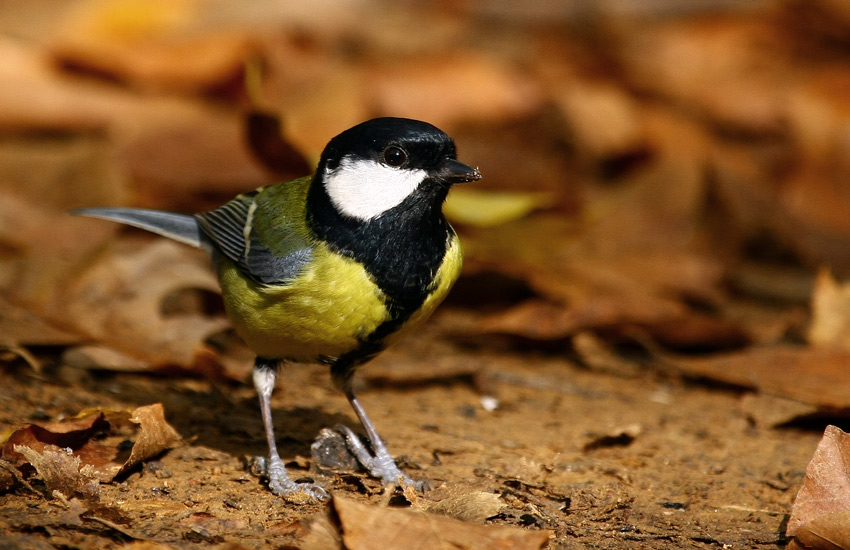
(364, 189)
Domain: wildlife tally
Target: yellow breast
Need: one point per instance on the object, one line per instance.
(327, 311)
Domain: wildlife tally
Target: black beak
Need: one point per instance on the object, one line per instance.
(453, 171)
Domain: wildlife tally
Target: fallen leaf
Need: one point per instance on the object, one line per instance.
(473, 507)
(445, 91)
(20, 326)
(619, 437)
(367, 527)
(599, 355)
(63, 471)
(830, 324)
(280, 157)
(820, 517)
(826, 532)
(815, 376)
(605, 122)
(154, 44)
(769, 411)
(119, 302)
(211, 164)
(95, 445)
(722, 66)
(155, 435)
(489, 208)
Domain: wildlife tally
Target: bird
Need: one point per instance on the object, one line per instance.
(332, 268)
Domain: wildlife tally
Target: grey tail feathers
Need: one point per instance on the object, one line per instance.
(182, 228)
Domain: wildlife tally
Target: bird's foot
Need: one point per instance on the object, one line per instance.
(282, 485)
(379, 464)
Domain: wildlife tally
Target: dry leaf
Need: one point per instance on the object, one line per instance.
(619, 437)
(830, 323)
(22, 327)
(151, 43)
(489, 208)
(96, 439)
(723, 66)
(267, 143)
(769, 411)
(444, 91)
(154, 435)
(367, 527)
(604, 121)
(474, 507)
(820, 517)
(119, 302)
(63, 471)
(186, 154)
(826, 532)
(814, 376)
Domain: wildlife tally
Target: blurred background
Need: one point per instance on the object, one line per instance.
(675, 168)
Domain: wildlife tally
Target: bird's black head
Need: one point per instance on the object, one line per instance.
(377, 198)
(386, 163)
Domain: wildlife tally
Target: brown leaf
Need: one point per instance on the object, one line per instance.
(186, 154)
(268, 145)
(62, 470)
(723, 66)
(22, 327)
(154, 435)
(769, 411)
(813, 376)
(96, 439)
(825, 495)
(830, 323)
(120, 301)
(367, 527)
(827, 532)
(151, 44)
(474, 507)
(584, 104)
(470, 86)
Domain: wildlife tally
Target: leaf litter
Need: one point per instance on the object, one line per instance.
(641, 301)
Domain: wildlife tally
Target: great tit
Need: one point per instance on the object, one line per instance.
(332, 268)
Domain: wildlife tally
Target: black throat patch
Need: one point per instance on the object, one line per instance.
(401, 250)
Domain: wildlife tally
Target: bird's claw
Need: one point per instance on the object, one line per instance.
(379, 464)
(282, 485)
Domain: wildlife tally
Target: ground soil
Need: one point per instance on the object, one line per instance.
(602, 460)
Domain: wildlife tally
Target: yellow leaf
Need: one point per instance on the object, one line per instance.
(489, 208)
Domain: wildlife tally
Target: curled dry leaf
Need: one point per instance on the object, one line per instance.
(367, 527)
(119, 302)
(62, 471)
(820, 517)
(67, 455)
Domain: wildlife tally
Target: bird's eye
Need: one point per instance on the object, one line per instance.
(395, 156)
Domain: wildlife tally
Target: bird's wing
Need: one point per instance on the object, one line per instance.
(241, 229)
(179, 227)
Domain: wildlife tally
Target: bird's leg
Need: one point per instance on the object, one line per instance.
(265, 375)
(378, 462)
